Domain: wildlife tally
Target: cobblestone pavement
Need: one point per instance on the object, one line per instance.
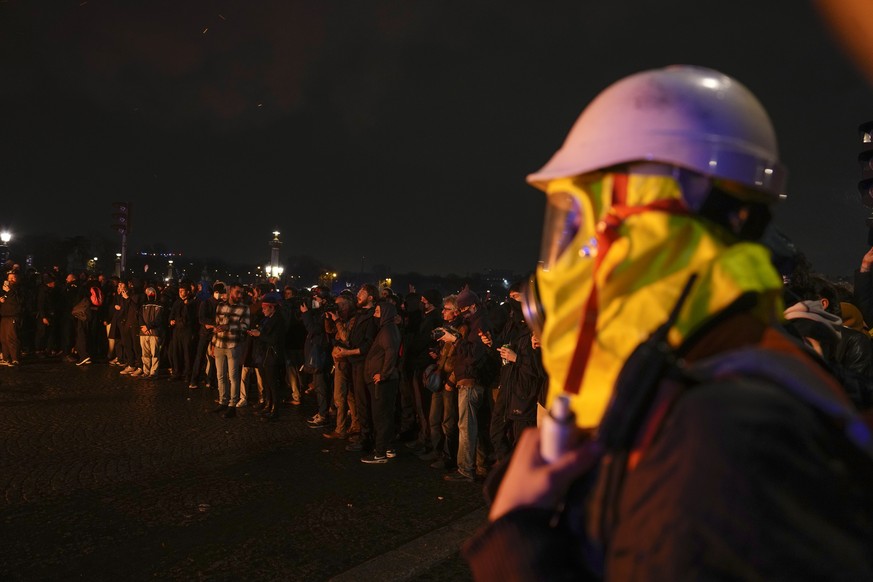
(110, 477)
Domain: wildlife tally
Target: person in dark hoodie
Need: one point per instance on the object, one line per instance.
(88, 324)
(132, 298)
(316, 353)
(361, 334)
(512, 330)
(382, 374)
(204, 364)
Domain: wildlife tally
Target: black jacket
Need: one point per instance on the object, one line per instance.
(364, 328)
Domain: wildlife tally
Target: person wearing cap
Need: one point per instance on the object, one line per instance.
(689, 436)
(473, 443)
(268, 352)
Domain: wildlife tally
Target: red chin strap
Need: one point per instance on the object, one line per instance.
(607, 233)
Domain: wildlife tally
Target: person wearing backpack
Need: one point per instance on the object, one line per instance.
(88, 323)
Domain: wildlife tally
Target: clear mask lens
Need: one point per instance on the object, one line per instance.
(531, 307)
(563, 219)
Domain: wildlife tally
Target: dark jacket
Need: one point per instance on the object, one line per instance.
(855, 352)
(382, 357)
(13, 304)
(316, 347)
(760, 434)
(153, 317)
(206, 315)
(526, 380)
(361, 334)
(268, 349)
(130, 309)
(416, 350)
(471, 351)
(185, 315)
(46, 303)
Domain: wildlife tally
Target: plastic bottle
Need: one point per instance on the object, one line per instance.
(557, 429)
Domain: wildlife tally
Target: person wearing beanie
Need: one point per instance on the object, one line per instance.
(474, 409)
(466, 299)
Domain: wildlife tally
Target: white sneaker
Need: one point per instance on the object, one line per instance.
(127, 370)
(136, 373)
(242, 402)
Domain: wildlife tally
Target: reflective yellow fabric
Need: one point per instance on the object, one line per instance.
(639, 278)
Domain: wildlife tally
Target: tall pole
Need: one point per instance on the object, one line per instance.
(275, 244)
(123, 252)
(5, 237)
(122, 226)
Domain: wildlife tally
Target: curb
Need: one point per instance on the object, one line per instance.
(419, 555)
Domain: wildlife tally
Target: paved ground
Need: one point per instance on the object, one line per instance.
(109, 477)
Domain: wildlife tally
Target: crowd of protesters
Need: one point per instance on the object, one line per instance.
(453, 378)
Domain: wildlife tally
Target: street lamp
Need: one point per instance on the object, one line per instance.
(5, 237)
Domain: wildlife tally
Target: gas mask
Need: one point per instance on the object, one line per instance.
(618, 248)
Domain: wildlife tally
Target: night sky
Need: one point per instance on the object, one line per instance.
(400, 132)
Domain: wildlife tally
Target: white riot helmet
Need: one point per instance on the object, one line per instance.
(685, 116)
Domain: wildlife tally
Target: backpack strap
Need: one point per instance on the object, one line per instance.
(781, 361)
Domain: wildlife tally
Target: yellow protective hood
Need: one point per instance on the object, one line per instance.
(636, 248)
